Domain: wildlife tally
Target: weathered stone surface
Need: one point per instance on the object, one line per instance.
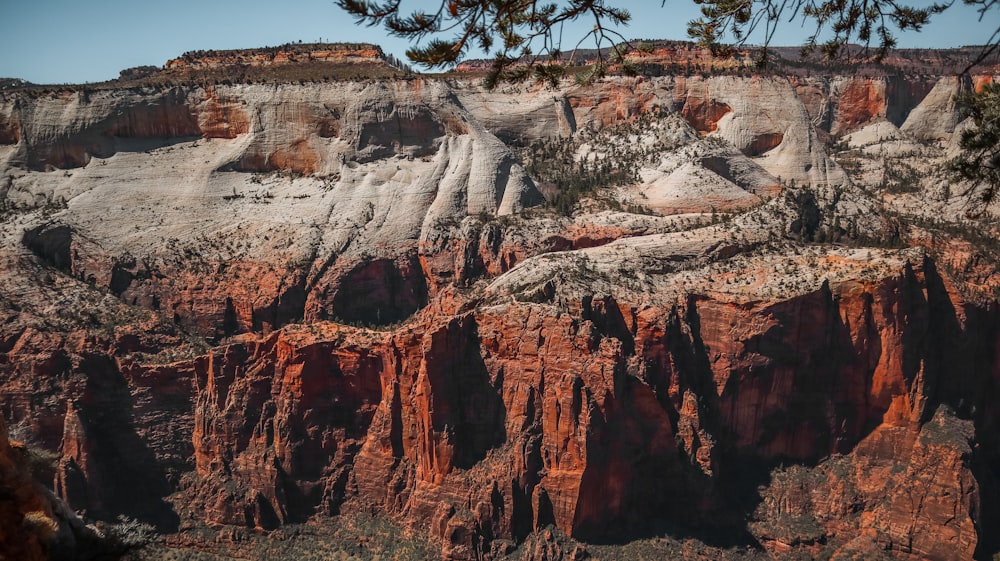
(388, 164)
(386, 330)
(493, 424)
(936, 116)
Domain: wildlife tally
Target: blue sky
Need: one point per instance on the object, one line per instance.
(66, 41)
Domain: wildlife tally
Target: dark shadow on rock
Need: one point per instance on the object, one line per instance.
(986, 470)
(467, 403)
(608, 319)
(954, 356)
(961, 372)
(119, 471)
(381, 292)
(51, 243)
(121, 279)
(524, 517)
(288, 307)
(638, 462)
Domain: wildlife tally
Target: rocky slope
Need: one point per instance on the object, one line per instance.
(232, 310)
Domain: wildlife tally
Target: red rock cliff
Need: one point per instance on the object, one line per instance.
(495, 423)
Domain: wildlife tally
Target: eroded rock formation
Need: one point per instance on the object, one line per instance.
(252, 305)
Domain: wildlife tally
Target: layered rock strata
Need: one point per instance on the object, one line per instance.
(373, 321)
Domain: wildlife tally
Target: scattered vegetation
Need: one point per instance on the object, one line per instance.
(968, 250)
(128, 534)
(524, 40)
(39, 524)
(234, 67)
(569, 169)
(554, 166)
(296, 48)
(899, 176)
(41, 462)
(355, 537)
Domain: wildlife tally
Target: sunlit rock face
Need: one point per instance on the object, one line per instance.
(253, 305)
(174, 196)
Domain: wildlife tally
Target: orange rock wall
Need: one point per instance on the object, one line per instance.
(491, 424)
(481, 425)
(221, 118)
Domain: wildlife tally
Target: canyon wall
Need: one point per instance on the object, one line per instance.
(251, 305)
(608, 419)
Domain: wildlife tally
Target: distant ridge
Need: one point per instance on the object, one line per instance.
(323, 62)
(291, 62)
(664, 57)
(283, 54)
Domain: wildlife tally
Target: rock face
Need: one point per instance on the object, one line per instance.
(389, 165)
(763, 118)
(936, 116)
(254, 305)
(499, 422)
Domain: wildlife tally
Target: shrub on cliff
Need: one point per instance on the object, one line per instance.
(39, 524)
(39, 461)
(127, 534)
